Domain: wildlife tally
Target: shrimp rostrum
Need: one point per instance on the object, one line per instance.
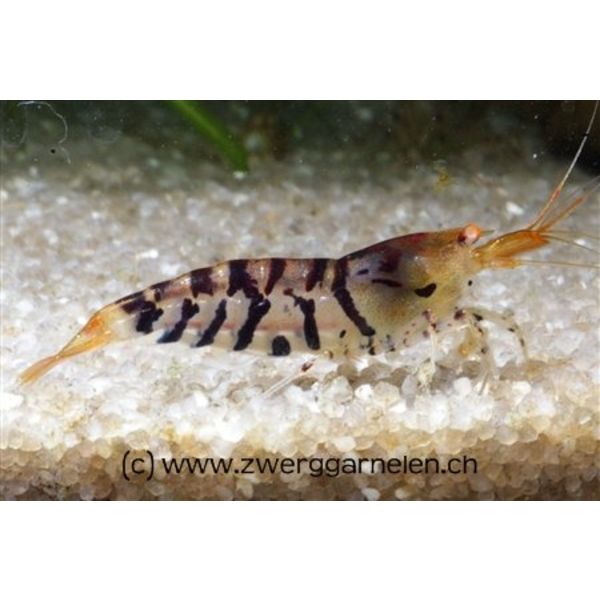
(378, 299)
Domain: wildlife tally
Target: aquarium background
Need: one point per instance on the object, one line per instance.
(100, 199)
(239, 133)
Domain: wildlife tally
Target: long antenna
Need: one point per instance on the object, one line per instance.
(558, 189)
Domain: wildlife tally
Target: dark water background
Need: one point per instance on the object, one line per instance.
(410, 132)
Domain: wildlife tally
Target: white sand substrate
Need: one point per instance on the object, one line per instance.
(78, 236)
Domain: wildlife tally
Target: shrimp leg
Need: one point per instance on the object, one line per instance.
(503, 320)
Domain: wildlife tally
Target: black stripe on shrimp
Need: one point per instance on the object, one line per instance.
(188, 310)
(258, 308)
(208, 335)
(311, 331)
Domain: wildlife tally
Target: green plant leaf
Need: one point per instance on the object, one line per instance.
(211, 128)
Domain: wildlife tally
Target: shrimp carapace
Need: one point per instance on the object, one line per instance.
(378, 299)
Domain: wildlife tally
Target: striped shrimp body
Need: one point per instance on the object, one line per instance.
(374, 300)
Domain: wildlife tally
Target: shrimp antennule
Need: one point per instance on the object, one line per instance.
(501, 252)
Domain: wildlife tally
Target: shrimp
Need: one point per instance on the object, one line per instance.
(378, 299)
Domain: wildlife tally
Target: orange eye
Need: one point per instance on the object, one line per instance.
(469, 235)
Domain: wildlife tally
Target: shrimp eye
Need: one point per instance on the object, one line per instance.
(469, 235)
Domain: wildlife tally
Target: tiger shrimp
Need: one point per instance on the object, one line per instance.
(378, 299)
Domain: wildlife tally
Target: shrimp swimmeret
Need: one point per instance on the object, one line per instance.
(378, 299)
